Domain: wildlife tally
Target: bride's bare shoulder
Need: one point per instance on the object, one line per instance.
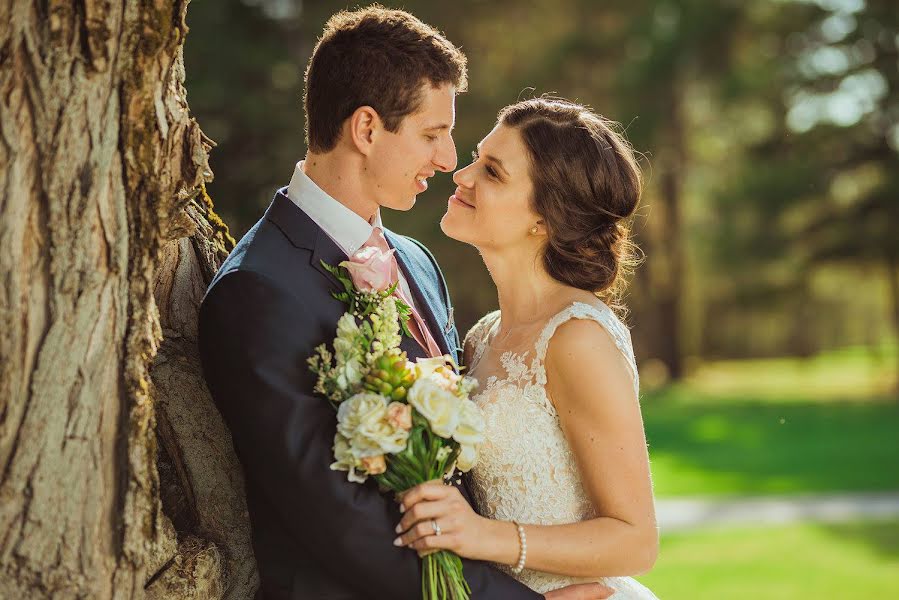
(585, 351)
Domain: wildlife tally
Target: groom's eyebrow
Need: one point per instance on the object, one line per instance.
(439, 127)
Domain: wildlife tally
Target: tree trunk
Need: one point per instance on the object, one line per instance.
(107, 242)
(893, 278)
(671, 286)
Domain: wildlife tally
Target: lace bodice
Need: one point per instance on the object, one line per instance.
(526, 470)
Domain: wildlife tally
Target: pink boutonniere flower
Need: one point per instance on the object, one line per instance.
(372, 270)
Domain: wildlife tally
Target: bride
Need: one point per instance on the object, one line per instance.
(563, 480)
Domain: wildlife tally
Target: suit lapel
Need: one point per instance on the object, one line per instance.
(303, 232)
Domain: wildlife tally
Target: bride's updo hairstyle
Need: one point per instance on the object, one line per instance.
(586, 186)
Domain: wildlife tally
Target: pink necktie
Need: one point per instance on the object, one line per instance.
(417, 326)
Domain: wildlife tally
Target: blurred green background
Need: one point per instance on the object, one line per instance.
(765, 315)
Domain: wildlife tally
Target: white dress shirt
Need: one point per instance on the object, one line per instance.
(345, 228)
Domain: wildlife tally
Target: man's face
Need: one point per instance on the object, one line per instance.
(402, 162)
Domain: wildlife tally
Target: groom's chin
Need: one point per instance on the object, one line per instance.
(402, 205)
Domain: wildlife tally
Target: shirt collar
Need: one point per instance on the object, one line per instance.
(346, 228)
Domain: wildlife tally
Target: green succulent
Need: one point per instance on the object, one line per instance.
(390, 375)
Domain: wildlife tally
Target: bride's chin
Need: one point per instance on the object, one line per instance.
(450, 229)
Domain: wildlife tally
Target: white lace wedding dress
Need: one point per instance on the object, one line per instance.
(526, 470)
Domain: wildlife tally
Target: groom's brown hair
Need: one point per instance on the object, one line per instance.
(375, 57)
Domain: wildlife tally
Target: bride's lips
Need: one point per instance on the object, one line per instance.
(458, 199)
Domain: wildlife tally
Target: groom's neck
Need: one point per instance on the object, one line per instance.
(340, 177)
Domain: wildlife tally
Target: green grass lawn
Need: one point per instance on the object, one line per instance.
(854, 561)
(776, 426)
(740, 446)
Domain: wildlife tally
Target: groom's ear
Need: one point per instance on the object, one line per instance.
(363, 126)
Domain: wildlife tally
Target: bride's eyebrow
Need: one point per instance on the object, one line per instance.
(494, 160)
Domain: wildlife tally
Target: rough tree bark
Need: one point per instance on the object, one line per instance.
(117, 475)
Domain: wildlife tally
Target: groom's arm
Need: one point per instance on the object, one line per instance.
(255, 338)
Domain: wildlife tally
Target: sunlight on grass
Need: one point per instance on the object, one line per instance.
(850, 561)
(848, 374)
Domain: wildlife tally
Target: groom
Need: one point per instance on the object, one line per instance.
(380, 108)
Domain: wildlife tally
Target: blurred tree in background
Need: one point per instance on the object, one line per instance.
(768, 133)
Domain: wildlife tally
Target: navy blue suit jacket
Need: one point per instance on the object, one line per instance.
(315, 535)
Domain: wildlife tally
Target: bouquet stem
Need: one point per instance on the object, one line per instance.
(442, 578)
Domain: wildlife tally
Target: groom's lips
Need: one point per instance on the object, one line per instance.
(421, 181)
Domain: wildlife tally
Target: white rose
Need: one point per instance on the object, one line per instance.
(439, 406)
(346, 460)
(468, 457)
(471, 426)
(379, 437)
(364, 421)
(424, 367)
(360, 408)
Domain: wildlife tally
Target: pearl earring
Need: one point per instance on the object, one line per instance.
(534, 230)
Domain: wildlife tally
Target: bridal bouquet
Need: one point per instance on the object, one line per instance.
(398, 422)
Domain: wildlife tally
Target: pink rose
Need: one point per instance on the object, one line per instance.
(374, 465)
(371, 269)
(399, 415)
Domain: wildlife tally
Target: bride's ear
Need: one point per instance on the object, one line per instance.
(539, 228)
(363, 125)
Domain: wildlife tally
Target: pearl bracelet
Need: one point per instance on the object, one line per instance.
(523, 542)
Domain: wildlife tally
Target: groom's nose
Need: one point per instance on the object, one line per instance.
(445, 158)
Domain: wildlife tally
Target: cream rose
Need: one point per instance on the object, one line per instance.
(424, 367)
(439, 406)
(360, 408)
(363, 420)
(471, 426)
(345, 460)
(468, 458)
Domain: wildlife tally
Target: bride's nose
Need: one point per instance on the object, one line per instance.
(462, 177)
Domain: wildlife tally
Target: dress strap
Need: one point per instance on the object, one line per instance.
(477, 336)
(602, 315)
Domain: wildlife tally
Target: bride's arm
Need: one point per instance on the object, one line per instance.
(591, 387)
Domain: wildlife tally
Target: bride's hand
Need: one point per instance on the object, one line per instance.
(433, 502)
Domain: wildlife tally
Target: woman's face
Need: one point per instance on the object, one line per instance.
(491, 207)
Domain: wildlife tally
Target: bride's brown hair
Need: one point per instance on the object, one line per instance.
(587, 185)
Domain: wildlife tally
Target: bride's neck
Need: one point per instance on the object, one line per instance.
(525, 290)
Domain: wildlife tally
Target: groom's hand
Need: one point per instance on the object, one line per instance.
(581, 591)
